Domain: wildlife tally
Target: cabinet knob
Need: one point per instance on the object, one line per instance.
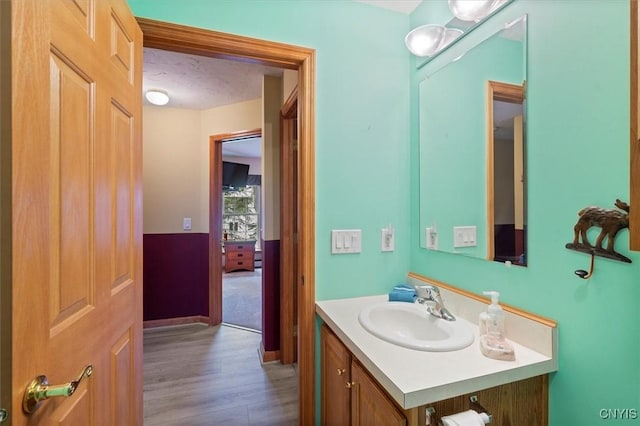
(341, 371)
(349, 385)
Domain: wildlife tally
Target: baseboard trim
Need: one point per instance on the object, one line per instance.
(175, 321)
(267, 356)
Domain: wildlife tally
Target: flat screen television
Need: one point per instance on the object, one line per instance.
(234, 175)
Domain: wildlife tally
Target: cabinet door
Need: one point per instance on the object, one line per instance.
(336, 396)
(370, 406)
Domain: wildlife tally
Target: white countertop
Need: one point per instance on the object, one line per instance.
(415, 378)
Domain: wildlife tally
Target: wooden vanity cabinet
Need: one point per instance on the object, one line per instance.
(336, 375)
(351, 396)
(370, 405)
(521, 403)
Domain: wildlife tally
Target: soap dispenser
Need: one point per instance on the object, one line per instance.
(493, 343)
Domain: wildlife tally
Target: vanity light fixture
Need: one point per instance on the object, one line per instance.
(449, 36)
(472, 10)
(157, 97)
(426, 39)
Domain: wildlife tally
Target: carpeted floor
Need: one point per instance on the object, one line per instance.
(242, 299)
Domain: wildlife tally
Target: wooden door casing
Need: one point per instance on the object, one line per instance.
(77, 223)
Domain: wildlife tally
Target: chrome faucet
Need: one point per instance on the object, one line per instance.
(430, 295)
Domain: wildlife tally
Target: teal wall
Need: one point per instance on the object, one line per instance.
(362, 121)
(367, 158)
(578, 143)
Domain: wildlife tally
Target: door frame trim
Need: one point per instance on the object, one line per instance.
(179, 38)
(288, 218)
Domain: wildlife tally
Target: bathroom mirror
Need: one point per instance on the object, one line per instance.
(473, 150)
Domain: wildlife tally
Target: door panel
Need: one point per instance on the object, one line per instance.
(77, 223)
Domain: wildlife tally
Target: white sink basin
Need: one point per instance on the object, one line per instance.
(411, 326)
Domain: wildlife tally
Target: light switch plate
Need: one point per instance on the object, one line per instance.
(186, 224)
(464, 236)
(345, 241)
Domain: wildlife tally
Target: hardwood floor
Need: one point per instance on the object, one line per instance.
(197, 375)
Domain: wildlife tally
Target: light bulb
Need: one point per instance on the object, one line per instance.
(471, 10)
(157, 97)
(425, 40)
(449, 36)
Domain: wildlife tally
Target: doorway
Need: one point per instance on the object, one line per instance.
(236, 195)
(167, 36)
(506, 203)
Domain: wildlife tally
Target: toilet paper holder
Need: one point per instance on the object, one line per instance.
(474, 405)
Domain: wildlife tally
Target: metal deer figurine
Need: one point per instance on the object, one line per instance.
(611, 221)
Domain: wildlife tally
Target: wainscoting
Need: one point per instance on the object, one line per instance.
(271, 296)
(196, 375)
(176, 284)
(175, 276)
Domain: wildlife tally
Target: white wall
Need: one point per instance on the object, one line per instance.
(171, 169)
(272, 101)
(176, 161)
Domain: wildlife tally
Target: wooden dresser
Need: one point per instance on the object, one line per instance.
(239, 255)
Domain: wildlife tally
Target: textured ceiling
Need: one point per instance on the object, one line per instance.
(200, 82)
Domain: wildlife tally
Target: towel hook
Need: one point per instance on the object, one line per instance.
(584, 274)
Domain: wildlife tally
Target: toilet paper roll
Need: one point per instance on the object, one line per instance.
(466, 418)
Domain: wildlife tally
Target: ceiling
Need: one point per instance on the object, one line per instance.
(245, 147)
(200, 82)
(404, 6)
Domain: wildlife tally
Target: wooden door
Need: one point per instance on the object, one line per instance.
(370, 406)
(77, 223)
(336, 365)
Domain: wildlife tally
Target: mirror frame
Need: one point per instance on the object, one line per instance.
(506, 92)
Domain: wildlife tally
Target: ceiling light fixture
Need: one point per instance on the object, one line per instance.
(157, 97)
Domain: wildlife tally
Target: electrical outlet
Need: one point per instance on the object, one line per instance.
(431, 236)
(387, 239)
(186, 224)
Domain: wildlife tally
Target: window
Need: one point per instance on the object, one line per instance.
(241, 214)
